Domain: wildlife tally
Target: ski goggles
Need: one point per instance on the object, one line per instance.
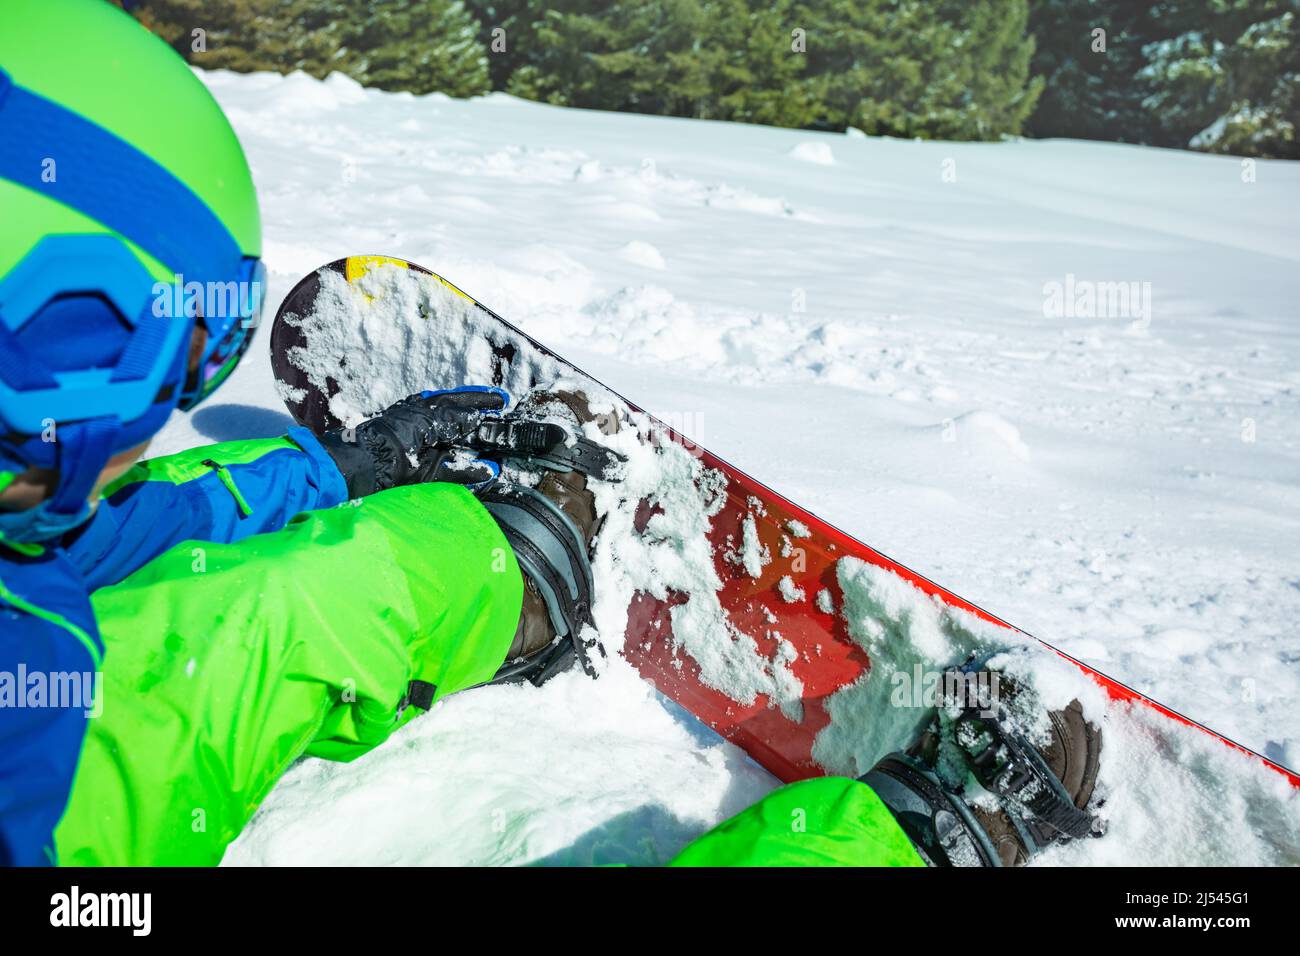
(230, 331)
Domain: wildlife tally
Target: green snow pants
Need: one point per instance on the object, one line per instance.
(826, 821)
(227, 662)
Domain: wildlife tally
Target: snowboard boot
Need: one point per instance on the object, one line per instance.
(551, 529)
(1037, 796)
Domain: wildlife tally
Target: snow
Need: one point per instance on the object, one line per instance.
(819, 153)
(872, 338)
(585, 772)
(643, 254)
(753, 555)
(790, 592)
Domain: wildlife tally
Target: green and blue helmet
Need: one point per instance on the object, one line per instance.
(129, 215)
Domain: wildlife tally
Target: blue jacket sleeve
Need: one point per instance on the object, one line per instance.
(49, 653)
(218, 493)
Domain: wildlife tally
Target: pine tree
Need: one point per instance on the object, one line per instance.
(416, 45)
(209, 33)
(757, 74)
(1088, 54)
(1227, 79)
(1218, 75)
(991, 93)
(1263, 97)
(618, 58)
(505, 28)
(943, 69)
(902, 67)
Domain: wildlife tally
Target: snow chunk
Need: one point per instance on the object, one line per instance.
(814, 152)
(987, 433)
(753, 555)
(642, 254)
(790, 592)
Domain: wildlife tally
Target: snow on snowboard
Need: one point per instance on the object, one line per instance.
(809, 650)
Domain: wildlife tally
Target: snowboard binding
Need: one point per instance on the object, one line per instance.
(547, 444)
(558, 586)
(1041, 795)
(550, 528)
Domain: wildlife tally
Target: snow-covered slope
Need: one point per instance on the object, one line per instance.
(869, 326)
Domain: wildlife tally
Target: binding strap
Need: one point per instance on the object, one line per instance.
(548, 444)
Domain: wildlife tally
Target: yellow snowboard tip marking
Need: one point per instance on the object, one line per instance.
(354, 267)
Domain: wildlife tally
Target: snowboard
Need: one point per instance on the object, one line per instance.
(789, 611)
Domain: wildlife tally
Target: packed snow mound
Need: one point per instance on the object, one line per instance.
(817, 153)
(985, 434)
(475, 781)
(643, 254)
(817, 330)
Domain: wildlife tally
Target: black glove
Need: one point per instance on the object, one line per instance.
(413, 441)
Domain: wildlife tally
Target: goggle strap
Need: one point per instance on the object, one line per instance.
(141, 353)
(18, 367)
